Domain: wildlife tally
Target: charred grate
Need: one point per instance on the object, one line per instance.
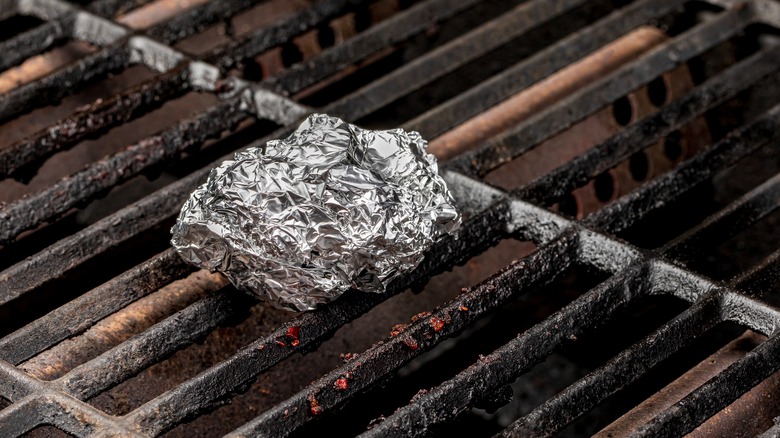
(492, 215)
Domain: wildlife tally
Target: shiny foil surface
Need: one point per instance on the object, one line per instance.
(330, 207)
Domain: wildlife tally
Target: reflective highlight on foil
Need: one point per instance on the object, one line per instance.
(330, 207)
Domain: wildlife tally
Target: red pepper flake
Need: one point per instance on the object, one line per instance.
(420, 315)
(397, 329)
(341, 384)
(281, 343)
(295, 342)
(314, 406)
(436, 323)
(464, 309)
(293, 332)
(410, 343)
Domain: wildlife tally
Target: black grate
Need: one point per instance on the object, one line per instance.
(492, 214)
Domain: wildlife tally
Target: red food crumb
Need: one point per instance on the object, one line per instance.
(281, 343)
(410, 343)
(293, 332)
(464, 309)
(436, 323)
(397, 329)
(314, 406)
(341, 384)
(295, 342)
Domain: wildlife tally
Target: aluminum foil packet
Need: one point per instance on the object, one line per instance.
(330, 207)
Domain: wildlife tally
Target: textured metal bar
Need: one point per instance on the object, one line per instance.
(196, 19)
(35, 41)
(739, 215)
(717, 393)
(376, 363)
(261, 40)
(64, 82)
(389, 32)
(447, 400)
(539, 66)
(159, 341)
(108, 172)
(568, 111)
(632, 363)
(111, 8)
(95, 120)
(620, 214)
(198, 394)
(447, 58)
(586, 393)
(79, 314)
(645, 132)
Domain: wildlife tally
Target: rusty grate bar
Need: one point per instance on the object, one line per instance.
(230, 55)
(79, 314)
(445, 59)
(570, 110)
(550, 187)
(388, 33)
(539, 66)
(98, 119)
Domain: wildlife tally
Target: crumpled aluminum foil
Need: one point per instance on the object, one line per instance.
(330, 207)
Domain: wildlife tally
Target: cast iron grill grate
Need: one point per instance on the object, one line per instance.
(492, 214)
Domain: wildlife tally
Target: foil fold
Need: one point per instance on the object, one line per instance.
(330, 207)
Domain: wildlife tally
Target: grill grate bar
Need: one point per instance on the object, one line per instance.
(97, 119)
(198, 394)
(232, 54)
(37, 402)
(588, 392)
(371, 366)
(762, 277)
(164, 338)
(620, 214)
(568, 111)
(274, 421)
(404, 25)
(117, 227)
(97, 238)
(35, 41)
(585, 313)
(447, 58)
(739, 215)
(580, 170)
(81, 313)
(193, 20)
(63, 82)
(717, 393)
(100, 176)
(624, 369)
(539, 66)
(56, 408)
(515, 357)
(110, 8)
